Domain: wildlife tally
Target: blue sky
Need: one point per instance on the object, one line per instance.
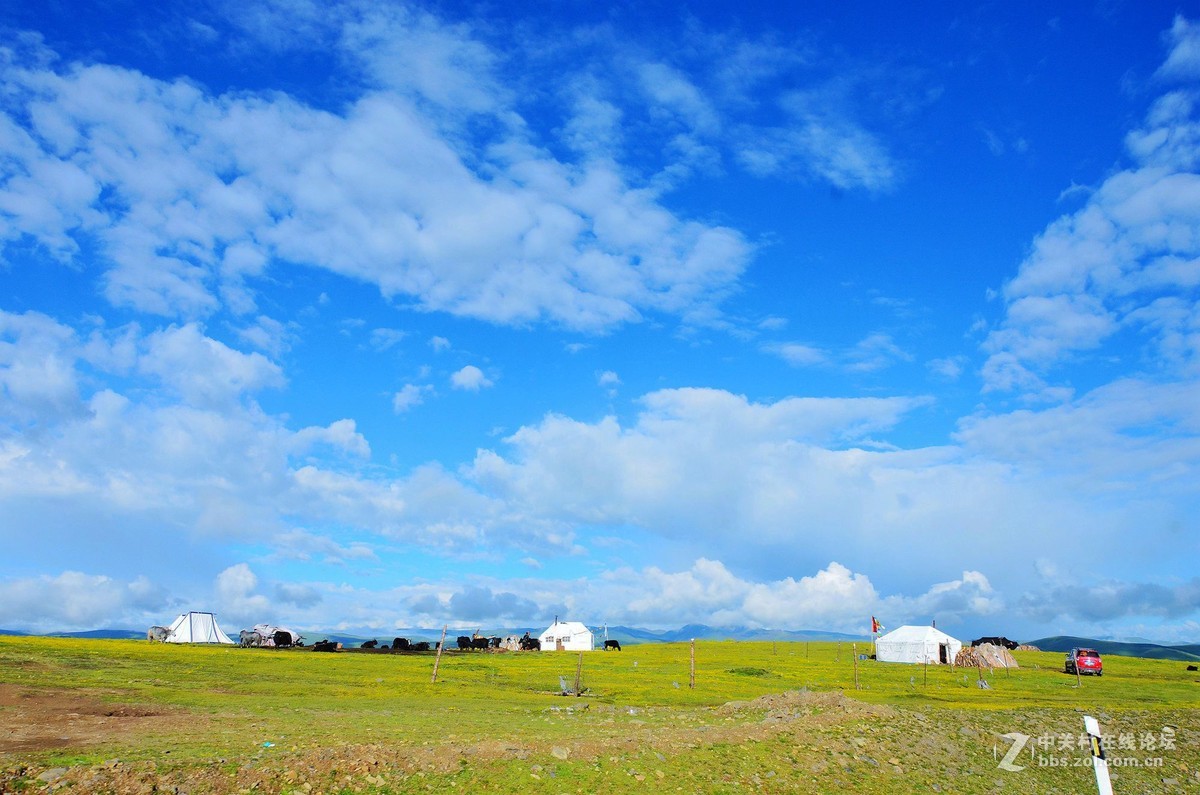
(363, 316)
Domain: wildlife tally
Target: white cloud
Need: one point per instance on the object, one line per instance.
(37, 372)
(409, 397)
(304, 545)
(470, 378)
(190, 227)
(268, 335)
(383, 339)
(949, 368)
(75, 600)
(875, 352)
(1183, 62)
(798, 354)
(670, 90)
(1127, 262)
(819, 142)
(203, 371)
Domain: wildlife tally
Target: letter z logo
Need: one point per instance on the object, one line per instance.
(1018, 744)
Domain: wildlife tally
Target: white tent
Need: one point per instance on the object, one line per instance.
(567, 636)
(197, 628)
(917, 645)
(267, 631)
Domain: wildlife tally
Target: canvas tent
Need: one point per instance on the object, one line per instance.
(911, 644)
(567, 636)
(270, 636)
(197, 628)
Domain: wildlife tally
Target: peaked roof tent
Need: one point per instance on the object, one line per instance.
(567, 636)
(197, 627)
(910, 644)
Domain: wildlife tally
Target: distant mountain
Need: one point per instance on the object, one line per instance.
(635, 635)
(1153, 651)
(628, 635)
(105, 634)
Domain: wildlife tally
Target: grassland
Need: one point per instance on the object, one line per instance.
(130, 716)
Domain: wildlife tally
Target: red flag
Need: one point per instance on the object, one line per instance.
(875, 627)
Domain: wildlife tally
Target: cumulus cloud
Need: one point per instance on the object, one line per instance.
(1126, 262)
(1183, 62)
(235, 592)
(479, 603)
(202, 370)
(75, 600)
(409, 397)
(305, 545)
(470, 378)
(37, 367)
(504, 232)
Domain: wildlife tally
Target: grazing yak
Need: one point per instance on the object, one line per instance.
(283, 639)
(370, 644)
(480, 644)
(325, 645)
(421, 645)
(615, 645)
(400, 644)
(159, 634)
(464, 642)
(248, 638)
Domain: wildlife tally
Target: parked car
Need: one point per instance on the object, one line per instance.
(1084, 661)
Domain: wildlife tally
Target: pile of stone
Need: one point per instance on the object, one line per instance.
(985, 656)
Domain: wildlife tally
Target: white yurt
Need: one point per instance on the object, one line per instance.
(197, 628)
(567, 636)
(911, 644)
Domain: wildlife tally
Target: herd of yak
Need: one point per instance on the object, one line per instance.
(264, 635)
(282, 639)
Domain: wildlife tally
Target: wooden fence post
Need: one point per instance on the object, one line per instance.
(692, 668)
(438, 659)
(854, 651)
(579, 675)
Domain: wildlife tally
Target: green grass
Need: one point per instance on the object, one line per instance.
(495, 722)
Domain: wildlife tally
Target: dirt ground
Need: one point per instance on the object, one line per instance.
(39, 722)
(36, 721)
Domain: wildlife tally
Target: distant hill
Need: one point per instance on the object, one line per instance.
(1153, 651)
(628, 635)
(107, 634)
(635, 635)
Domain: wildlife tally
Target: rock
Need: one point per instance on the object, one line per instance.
(558, 752)
(53, 774)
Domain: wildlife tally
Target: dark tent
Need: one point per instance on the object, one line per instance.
(1001, 641)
